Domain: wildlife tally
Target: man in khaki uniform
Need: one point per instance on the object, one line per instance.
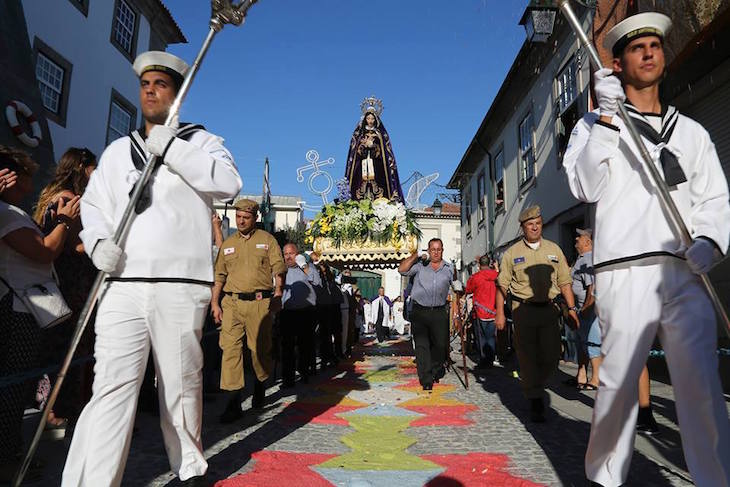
(250, 271)
(534, 272)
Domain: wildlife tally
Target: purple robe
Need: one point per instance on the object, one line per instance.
(382, 181)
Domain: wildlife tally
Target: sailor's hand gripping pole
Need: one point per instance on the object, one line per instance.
(675, 218)
(222, 12)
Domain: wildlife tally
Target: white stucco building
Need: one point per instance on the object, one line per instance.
(515, 159)
(83, 54)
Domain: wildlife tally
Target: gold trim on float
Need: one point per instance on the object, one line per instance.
(367, 251)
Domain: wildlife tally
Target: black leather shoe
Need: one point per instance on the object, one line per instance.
(537, 410)
(259, 394)
(427, 387)
(233, 411)
(197, 481)
(649, 427)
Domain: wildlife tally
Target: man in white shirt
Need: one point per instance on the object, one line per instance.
(646, 282)
(158, 288)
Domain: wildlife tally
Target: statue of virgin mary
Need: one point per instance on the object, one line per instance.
(371, 170)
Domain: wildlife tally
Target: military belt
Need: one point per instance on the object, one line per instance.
(534, 303)
(254, 296)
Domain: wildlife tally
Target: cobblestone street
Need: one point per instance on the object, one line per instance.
(367, 423)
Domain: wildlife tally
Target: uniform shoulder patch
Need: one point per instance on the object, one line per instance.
(518, 260)
(228, 250)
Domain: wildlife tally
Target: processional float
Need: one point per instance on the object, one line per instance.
(222, 12)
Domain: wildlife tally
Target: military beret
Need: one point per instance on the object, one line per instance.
(247, 205)
(530, 213)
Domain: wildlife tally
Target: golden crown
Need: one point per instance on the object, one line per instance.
(372, 104)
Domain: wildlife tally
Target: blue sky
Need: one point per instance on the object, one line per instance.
(292, 78)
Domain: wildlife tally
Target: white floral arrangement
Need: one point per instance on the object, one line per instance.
(351, 222)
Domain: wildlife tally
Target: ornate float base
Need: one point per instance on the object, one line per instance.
(367, 254)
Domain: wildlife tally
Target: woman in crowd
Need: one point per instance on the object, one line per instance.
(26, 256)
(75, 275)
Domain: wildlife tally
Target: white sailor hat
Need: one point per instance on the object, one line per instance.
(639, 25)
(161, 61)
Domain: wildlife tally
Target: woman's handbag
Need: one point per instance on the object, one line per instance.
(45, 302)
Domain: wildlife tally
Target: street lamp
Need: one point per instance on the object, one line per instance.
(437, 207)
(538, 19)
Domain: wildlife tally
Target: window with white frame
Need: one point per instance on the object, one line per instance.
(481, 195)
(499, 181)
(53, 73)
(121, 117)
(527, 149)
(567, 106)
(566, 86)
(124, 28)
(50, 81)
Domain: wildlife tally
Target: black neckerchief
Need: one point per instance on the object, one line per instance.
(673, 173)
(138, 151)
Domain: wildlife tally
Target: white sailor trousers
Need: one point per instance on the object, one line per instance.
(636, 302)
(132, 316)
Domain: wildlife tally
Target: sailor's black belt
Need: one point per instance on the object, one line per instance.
(417, 305)
(533, 303)
(254, 296)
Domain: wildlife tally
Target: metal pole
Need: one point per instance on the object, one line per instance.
(675, 218)
(223, 13)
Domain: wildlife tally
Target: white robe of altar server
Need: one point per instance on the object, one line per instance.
(374, 310)
(168, 261)
(399, 322)
(641, 290)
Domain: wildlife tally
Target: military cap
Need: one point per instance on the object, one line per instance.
(639, 25)
(247, 205)
(161, 61)
(584, 231)
(530, 213)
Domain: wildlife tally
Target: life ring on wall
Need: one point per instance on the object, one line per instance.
(11, 113)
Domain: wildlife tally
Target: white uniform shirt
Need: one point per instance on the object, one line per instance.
(171, 238)
(604, 167)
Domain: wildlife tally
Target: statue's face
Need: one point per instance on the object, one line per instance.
(370, 120)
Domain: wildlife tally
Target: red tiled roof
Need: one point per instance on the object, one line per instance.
(446, 209)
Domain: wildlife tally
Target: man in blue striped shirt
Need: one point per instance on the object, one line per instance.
(429, 316)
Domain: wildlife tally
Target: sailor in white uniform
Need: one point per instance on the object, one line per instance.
(645, 283)
(159, 285)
